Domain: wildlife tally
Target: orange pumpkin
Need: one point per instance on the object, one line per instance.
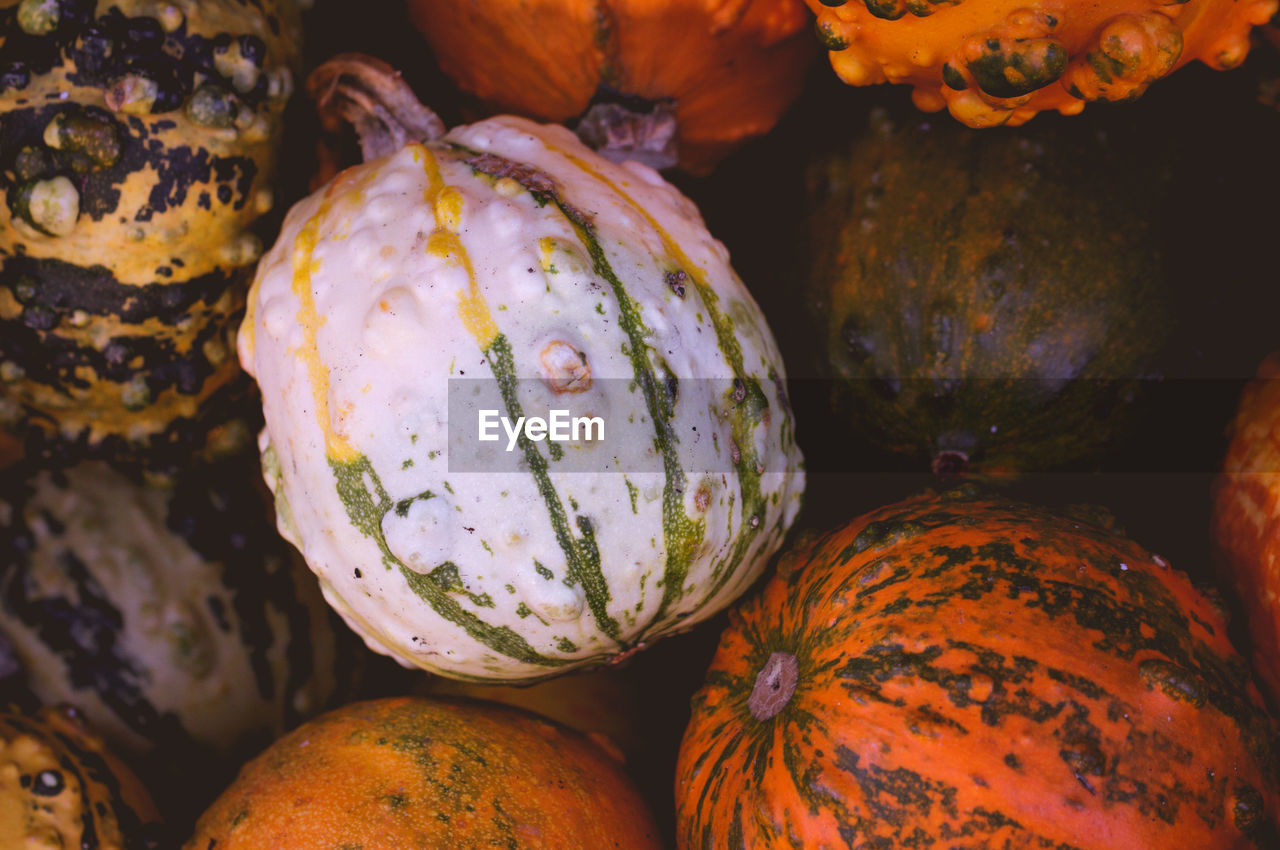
(730, 66)
(1246, 517)
(1001, 61)
(412, 772)
(982, 674)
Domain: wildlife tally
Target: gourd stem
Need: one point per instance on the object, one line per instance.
(626, 131)
(371, 96)
(775, 683)
(950, 463)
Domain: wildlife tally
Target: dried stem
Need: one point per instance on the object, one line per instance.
(372, 97)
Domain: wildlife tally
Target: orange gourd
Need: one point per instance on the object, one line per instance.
(1001, 61)
(1246, 517)
(730, 66)
(412, 772)
(982, 674)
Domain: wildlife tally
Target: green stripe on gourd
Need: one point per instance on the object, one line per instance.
(581, 554)
(681, 533)
(366, 513)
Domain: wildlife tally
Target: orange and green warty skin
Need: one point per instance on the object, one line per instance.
(60, 788)
(977, 674)
(993, 62)
(1246, 517)
(425, 773)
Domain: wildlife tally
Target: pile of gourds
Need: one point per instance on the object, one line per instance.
(983, 327)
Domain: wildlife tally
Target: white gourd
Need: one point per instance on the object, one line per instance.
(507, 249)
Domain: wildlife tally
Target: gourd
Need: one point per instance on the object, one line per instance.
(1246, 518)
(650, 79)
(137, 150)
(413, 772)
(992, 62)
(507, 254)
(988, 302)
(61, 787)
(171, 615)
(983, 672)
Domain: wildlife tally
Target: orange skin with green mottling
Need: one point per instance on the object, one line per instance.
(983, 672)
(414, 773)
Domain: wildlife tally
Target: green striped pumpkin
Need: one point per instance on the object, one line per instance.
(489, 253)
(172, 616)
(967, 672)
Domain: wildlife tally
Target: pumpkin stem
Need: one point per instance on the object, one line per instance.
(775, 683)
(643, 133)
(370, 95)
(950, 463)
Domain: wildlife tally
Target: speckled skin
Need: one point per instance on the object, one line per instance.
(440, 260)
(171, 616)
(996, 62)
(61, 789)
(429, 773)
(137, 147)
(984, 672)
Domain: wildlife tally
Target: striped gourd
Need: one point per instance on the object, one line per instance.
(138, 142)
(976, 674)
(172, 616)
(61, 787)
(489, 252)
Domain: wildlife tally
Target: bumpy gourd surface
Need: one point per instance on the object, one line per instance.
(1001, 61)
(174, 629)
(60, 788)
(137, 147)
(981, 672)
(1246, 521)
(429, 773)
(489, 254)
(731, 68)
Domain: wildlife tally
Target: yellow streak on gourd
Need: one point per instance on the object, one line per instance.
(546, 247)
(446, 205)
(304, 266)
(674, 251)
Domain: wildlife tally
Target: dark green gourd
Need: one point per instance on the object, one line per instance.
(987, 300)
